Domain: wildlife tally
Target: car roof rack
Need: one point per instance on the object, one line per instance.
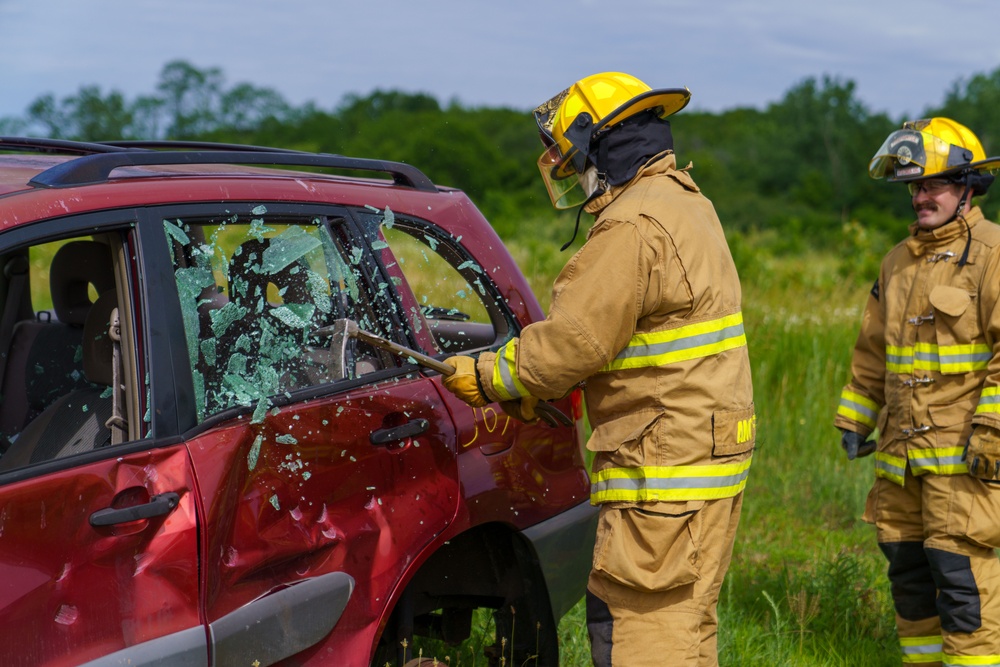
(99, 159)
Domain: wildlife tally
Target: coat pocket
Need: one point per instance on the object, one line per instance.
(733, 431)
(974, 511)
(650, 551)
(611, 435)
(956, 329)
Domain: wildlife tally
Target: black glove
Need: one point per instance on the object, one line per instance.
(856, 444)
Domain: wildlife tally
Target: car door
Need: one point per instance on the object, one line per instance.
(322, 469)
(98, 527)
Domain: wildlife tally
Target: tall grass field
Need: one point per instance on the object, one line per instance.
(807, 585)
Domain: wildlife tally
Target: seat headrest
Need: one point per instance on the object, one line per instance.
(98, 348)
(75, 267)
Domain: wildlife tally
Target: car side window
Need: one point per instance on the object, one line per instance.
(68, 367)
(451, 306)
(259, 294)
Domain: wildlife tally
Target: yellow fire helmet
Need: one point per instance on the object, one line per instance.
(568, 123)
(928, 148)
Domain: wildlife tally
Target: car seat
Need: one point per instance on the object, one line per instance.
(76, 422)
(42, 361)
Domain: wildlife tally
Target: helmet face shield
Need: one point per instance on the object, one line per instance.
(901, 156)
(565, 191)
(915, 153)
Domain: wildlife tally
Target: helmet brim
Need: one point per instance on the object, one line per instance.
(990, 164)
(670, 100)
(667, 101)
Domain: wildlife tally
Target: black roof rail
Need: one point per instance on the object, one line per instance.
(60, 146)
(169, 144)
(99, 159)
(91, 169)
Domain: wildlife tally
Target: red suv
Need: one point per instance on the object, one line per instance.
(223, 441)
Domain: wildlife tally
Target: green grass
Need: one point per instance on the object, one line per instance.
(807, 584)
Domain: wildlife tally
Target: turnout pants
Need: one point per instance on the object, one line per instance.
(655, 581)
(939, 533)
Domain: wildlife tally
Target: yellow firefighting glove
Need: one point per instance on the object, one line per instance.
(982, 453)
(464, 382)
(522, 409)
(856, 444)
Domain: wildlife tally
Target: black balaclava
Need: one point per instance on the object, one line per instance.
(629, 145)
(620, 151)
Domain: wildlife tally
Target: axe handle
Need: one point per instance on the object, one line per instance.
(549, 413)
(422, 359)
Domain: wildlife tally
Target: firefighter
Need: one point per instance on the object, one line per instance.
(926, 376)
(647, 313)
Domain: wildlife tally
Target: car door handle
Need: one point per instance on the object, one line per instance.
(159, 505)
(384, 436)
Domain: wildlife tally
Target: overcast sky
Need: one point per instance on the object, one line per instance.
(903, 55)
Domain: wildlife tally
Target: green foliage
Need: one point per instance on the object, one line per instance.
(794, 173)
(796, 170)
(973, 102)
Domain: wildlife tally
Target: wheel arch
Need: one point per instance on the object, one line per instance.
(491, 566)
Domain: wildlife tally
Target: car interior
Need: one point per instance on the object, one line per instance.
(59, 369)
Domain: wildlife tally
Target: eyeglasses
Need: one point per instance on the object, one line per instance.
(931, 186)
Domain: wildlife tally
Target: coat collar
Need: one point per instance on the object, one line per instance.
(922, 240)
(664, 163)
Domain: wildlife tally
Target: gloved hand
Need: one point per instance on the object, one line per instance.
(982, 453)
(522, 409)
(464, 382)
(856, 444)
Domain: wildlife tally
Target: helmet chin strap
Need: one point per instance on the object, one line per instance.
(960, 215)
(600, 189)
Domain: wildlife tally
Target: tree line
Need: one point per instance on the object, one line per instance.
(791, 175)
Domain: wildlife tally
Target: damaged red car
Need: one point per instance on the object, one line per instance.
(223, 435)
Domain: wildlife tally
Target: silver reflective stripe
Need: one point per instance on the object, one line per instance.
(691, 341)
(698, 340)
(893, 359)
(668, 483)
(672, 483)
(921, 650)
(891, 469)
(938, 460)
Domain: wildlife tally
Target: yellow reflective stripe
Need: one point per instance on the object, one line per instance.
(859, 408)
(937, 460)
(933, 357)
(921, 650)
(892, 468)
(669, 483)
(989, 400)
(965, 660)
(694, 341)
(505, 381)
(899, 359)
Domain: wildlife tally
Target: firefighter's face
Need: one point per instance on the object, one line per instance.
(934, 201)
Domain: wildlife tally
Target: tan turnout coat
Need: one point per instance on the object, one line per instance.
(647, 314)
(926, 365)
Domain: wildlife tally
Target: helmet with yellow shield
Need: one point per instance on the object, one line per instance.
(570, 124)
(934, 148)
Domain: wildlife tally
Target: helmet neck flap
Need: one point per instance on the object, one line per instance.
(619, 152)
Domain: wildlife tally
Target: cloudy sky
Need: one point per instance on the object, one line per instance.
(903, 55)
